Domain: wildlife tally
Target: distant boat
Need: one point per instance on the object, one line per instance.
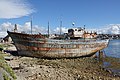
(37, 45)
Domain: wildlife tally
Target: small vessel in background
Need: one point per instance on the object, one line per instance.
(68, 46)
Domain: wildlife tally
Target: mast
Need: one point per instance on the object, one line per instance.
(15, 29)
(31, 25)
(48, 29)
(84, 33)
(60, 26)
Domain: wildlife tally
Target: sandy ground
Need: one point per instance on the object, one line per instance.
(27, 68)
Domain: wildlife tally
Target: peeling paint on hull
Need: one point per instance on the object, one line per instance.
(39, 46)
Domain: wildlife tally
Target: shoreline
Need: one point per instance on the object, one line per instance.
(27, 68)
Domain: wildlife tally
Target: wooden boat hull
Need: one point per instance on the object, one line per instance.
(38, 46)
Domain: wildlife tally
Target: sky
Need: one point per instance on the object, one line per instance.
(94, 14)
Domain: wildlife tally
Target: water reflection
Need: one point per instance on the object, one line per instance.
(113, 48)
(109, 63)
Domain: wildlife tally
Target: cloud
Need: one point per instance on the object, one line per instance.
(3, 34)
(14, 8)
(35, 28)
(21, 28)
(63, 30)
(109, 29)
(114, 29)
(6, 26)
(27, 29)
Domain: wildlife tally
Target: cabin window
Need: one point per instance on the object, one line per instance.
(70, 30)
(75, 29)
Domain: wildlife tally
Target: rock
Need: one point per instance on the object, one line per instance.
(41, 67)
(48, 71)
(1, 75)
(8, 58)
(21, 66)
(61, 69)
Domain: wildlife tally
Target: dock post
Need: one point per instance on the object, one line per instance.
(94, 56)
(101, 55)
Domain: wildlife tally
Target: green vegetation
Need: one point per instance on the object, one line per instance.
(5, 77)
(6, 67)
(2, 46)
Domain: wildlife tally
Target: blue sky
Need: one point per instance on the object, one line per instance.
(92, 13)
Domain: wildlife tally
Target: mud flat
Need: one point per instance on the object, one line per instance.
(27, 68)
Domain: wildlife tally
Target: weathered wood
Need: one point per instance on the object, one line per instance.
(39, 46)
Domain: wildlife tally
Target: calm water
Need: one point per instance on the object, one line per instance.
(113, 48)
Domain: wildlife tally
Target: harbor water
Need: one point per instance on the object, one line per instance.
(113, 52)
(113, 49)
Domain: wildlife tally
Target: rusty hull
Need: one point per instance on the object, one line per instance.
(39, 46)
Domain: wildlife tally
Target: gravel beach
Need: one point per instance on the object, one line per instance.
(27, 68)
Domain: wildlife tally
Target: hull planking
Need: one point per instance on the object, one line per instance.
(39, 46)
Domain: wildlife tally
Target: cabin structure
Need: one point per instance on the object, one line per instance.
(77, 33)
(91, 35)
